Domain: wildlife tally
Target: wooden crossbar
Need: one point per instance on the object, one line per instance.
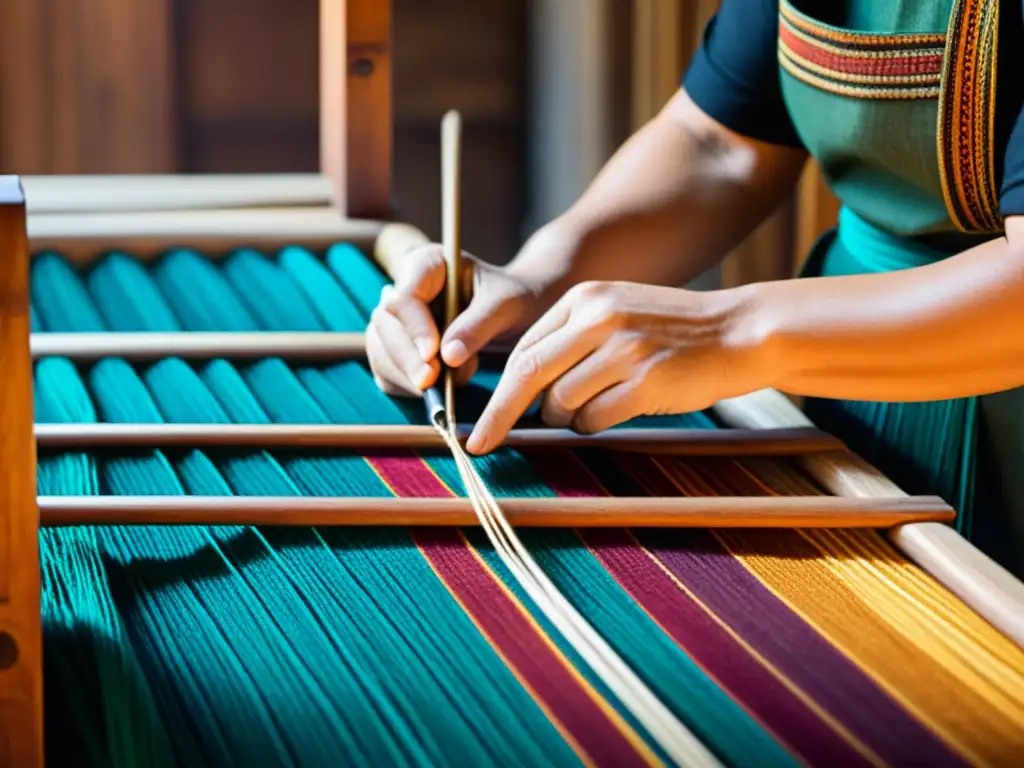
(678, 442)
(619, 512)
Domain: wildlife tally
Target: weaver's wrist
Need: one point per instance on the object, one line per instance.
(748, 319)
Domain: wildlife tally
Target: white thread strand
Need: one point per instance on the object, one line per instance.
(663, 726)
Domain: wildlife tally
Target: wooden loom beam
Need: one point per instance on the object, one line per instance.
(659, 441)
(21, 674)
(596, 512)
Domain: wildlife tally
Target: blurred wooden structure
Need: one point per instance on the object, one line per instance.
(218, 86)
(231, 86)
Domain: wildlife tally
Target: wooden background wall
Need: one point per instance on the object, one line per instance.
(203, 86)
(121, 86)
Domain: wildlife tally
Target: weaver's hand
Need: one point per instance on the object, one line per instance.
(608, 352)
(403, 342)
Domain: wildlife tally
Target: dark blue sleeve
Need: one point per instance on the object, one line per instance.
(1011, 196)
(734, 76)
(1010, 97)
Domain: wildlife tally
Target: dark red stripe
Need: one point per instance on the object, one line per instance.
(407, 474)
(706, 642)
(742, 676)
(519, 641)
(562, 472)
(903, 63)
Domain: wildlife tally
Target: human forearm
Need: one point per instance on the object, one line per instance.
(672, 202)
(946, 330)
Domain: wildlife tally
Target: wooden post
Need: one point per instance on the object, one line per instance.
(355, 104)
(657, 55)
(21, 671)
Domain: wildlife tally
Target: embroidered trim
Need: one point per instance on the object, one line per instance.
(967, 110)
(861, 40)
(867, 66)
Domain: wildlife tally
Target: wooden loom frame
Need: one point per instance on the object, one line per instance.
(349, 201)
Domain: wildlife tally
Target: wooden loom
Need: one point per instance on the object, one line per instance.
(350, 201)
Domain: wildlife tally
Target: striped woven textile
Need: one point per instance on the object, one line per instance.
(383, 646)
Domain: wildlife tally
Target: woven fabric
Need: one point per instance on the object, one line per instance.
(247, 646)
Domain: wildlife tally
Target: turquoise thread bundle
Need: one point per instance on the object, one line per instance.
(240, 646)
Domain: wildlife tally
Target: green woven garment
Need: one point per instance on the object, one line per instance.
(241, 646)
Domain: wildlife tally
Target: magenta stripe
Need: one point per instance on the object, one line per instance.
(520, 642)
(738, 673)
(407, 474)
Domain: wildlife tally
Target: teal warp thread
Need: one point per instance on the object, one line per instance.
(229, 627)
(709, 711)
(468, 705)
(155, 385)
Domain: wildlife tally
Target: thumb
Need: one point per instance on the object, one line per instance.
(423, 274)
(489, 314)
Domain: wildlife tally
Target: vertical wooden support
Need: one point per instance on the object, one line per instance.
(355, 104)
(817, 211)
(657, 55)
(21, 672)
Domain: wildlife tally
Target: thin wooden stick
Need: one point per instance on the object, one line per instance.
(639, 512)
(82, 237)
(21, 637)
(143, 347)
(393, 245)
(984, 585)
(451, 172)
(167, 192)
(680, 442)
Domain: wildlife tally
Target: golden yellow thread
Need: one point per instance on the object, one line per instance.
(820, 591)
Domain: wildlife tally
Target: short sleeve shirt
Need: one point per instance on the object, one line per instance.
(734, 78)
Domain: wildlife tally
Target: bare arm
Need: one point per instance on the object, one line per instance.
(951, 329)
(672, 202)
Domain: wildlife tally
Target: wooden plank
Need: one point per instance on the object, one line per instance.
(657, 55)
(460, 54)
(80, 237)
(562, 512)
(248, 85)
(112, 193)
(355, 104)
(202, 345)
(732, 443)
(21, 684)
(87, 87)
